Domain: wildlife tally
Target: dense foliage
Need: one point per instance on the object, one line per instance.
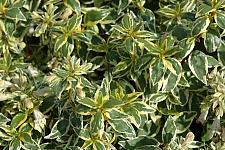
(112, 74)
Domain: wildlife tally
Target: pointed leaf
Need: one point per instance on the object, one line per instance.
(95, 16)
(221, 53)
(97, 124)
(59, 129)
(18, 119)
(212, 41)
(200, 25)
(115, 114)
(142, 62)
(184, 120)
(157, 70)
(60, 42)
(220, 19)
(142, 107)
(73, 4)
(169, 130)
(15, 145)
(88, 102)
(74, 22)
(16, 14)
(98, 145)
(151, 47)
(122, 126)
(198, 64)
(186, 46)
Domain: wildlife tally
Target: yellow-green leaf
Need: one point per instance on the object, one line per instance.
(18, 119)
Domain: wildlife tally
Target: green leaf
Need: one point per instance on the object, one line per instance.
(146, 34)
(74, 22)
(151, 147)
(123, 4)
(86, 83)
(73, 4)
(151, 47)
(112, 103)
(129, 44)
(220, 19)
(170, 81)
(122, 126)
(35, 5)
(198, 64)
(85, 134)
(120, 67)
(133, 96)
(59, 129)
(18, 119)
(174, 99)
(25, 128)
(149, 18)
(26, 138)
(221, 53)
(134, 115)
(142, 62)
(140, 142)
(119, 29)
(98, 3)
(189, 5)
(84, 110)
(142, 107)
(158, 97)
(87, 144)
(60, 42)
(169, 130)
(157, 70)
(88, 102)
(61, 73)
(75, 121)
(99, 98)
(203, 9)
(186, 46)
(63, 126)
(3, 2)
(128, 22)
(168, 65)
(184, 120)
(98, 145)
(95, 16)
(183, 81)
(200, 25)
(15, 14)
(19, 3)
(97, 124)
(115, 114)
(167, 12)
(212, 41)
(15, 145)
(212, 62)
(172, 51)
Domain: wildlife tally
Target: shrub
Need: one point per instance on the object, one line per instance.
(122, 74)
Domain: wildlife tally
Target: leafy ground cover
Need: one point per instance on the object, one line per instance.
(103, 74)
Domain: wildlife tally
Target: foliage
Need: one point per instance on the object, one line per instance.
(121, 74)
